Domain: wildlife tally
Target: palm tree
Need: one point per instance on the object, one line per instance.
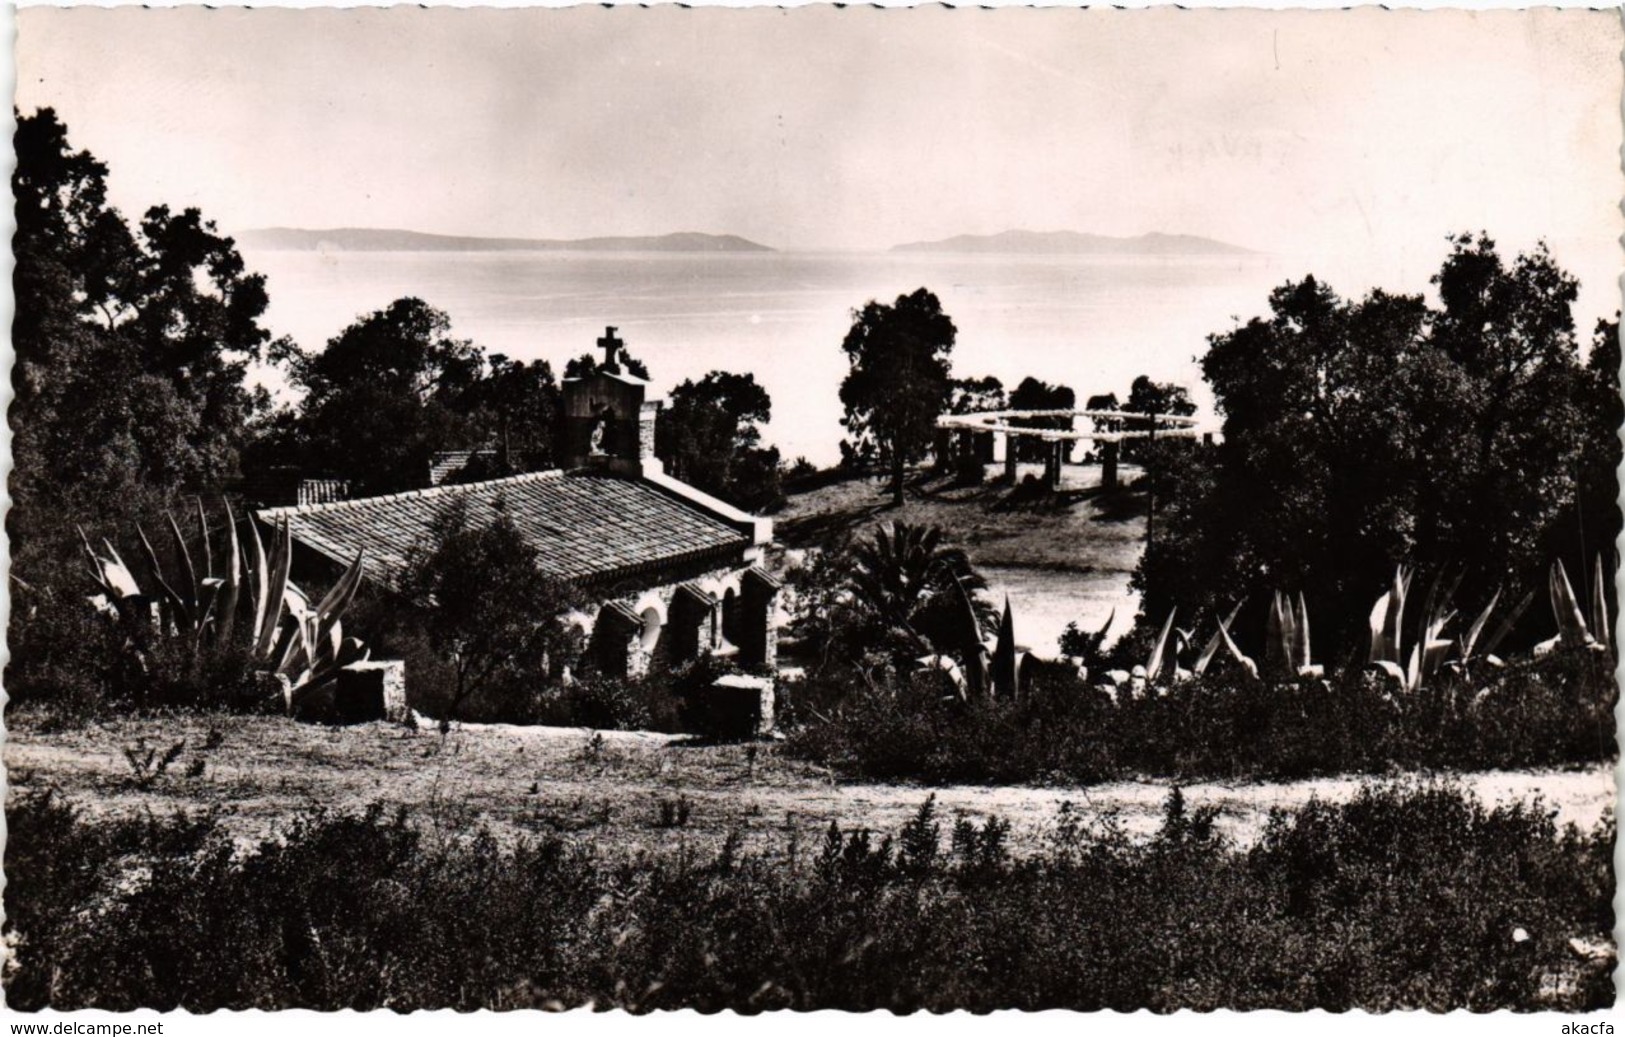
(906, 579)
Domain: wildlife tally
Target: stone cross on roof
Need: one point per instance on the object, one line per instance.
(611, 346)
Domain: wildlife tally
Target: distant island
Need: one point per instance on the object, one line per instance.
(372, 239)
(1066, 242)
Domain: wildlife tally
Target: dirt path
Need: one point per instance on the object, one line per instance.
(624, 791)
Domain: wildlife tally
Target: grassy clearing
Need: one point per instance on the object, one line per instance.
(1406, 896)
(610, 791)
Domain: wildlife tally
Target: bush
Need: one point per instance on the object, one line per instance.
(1553, 711)
(1406, 897)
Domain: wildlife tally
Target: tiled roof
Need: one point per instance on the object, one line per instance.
(584, 526)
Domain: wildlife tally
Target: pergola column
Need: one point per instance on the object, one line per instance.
(1108, 464)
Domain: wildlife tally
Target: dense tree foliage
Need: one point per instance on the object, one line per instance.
(971, 395)
(395, 388)
(586, 364)
(385, 394)
(898, 383)
(131, 347)
(1034, 394)
(1463, 435)
(1154, 398)
(131, 343)
(709, 437)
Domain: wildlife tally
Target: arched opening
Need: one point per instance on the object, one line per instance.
(652, 625)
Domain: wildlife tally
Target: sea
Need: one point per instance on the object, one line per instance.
(1087, 322)
(1090, 322)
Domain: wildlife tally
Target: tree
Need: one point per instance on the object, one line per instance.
(709, 436)
(1148, 397)
(1157, 399)
(386, 394)
(516, 406)
(1361, 434)
(488, 608)
(879, 603)
(1033, 394)
(131, 345)
(586, 364)
(899, 380)
(973, 395)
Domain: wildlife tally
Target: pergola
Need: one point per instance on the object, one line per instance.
(970, 436)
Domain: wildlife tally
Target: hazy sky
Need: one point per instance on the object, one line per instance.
(820, 128)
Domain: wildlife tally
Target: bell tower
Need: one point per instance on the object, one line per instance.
(609, 417)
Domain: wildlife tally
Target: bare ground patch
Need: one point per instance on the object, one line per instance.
(627, 792)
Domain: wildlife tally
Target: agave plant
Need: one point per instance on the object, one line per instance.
(1287, 651)
(1006, 656)
(972, 653)
(1244, 661)
(1211, 649)
(286, 635)
(1572, 631)
(1428, 649)
(1160, 656)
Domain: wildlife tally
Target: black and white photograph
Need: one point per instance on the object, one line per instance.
(764, 510)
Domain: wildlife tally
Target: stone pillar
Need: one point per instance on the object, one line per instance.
(372, 690)
(648, 412)
(965, 448)
(688, 628)
(984, 448)
(758, 633)
(942, 450)
(1010, 441)
(1108, 464)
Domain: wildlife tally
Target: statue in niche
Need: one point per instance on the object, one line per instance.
(595, 442)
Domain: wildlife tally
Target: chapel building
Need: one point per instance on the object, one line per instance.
(675, 572)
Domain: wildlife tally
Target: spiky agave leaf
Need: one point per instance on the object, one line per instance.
(1571, 624)
(343, 592)
(1005, 663)
(1301, 649)
(1153, 665)
(179, 614)
(1470, 640)
(1393, 637)
(968, 635)
(276, 593)
(1212, 646)
(187, 583)
(1601, 628)
(113, 575)
(259, 582)
(1379, 619)
(231, 587)
(1235, 653)
(1508, 621)
(208, 547)
(1278, 637)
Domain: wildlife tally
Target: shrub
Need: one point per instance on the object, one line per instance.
(1406, 897)
(1552, 711)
